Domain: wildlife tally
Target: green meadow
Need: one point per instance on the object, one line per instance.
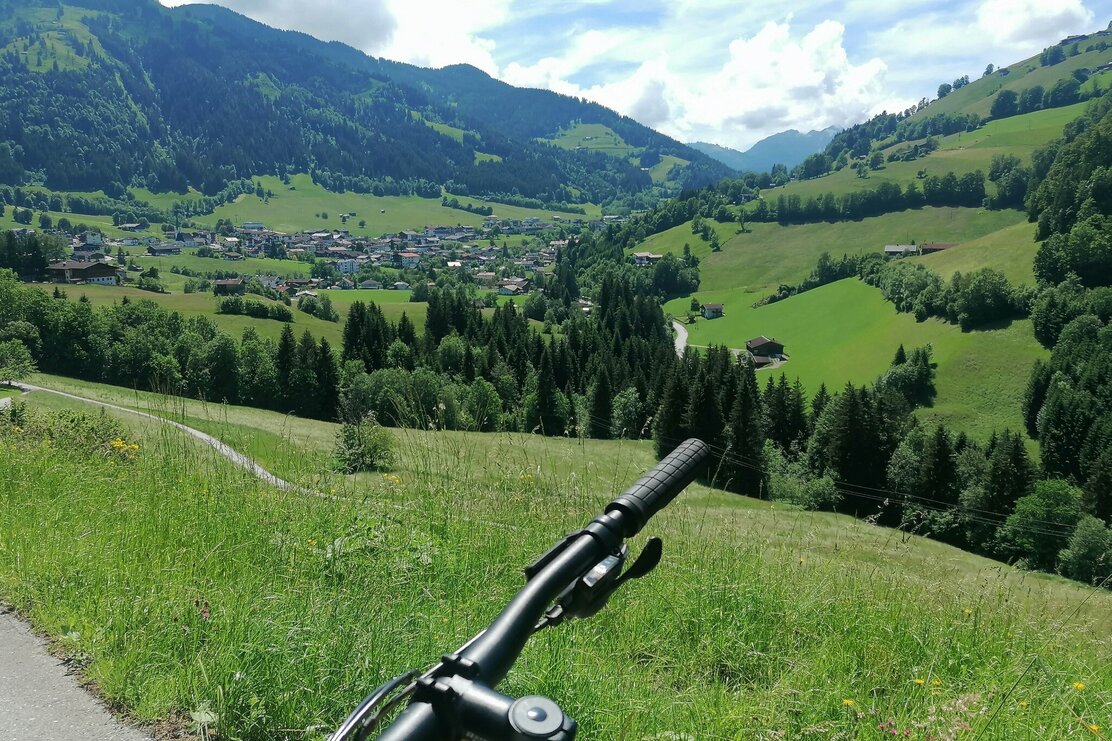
(770, 254)
(195, 591)
(959, 153)
(846, 332)
(595, 137)
(295, 207)
(1010, 250)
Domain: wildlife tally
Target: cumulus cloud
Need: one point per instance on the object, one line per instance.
(1032, 21)
(364, 24)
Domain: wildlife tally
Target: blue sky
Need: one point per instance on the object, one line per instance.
(726, 71)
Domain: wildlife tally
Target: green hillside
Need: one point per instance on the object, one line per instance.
(960, 153)
(976, 97)
(846, 332)
(761, 619)
(1010, 250)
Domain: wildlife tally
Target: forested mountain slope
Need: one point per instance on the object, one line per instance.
(108, 94)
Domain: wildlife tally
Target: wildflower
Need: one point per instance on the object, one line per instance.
(1093, 727)
(312, 542)
(936, 682)
(1022, 704)
(848, 702)
(920, 682)
(967, 612)
(1079, 686)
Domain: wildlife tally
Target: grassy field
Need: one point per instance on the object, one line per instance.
(959, 153)
(977, 96)
(196, 588)
(296, 210)
(771, 254)
(847, 332)
(595, 137)
(659, 171)
(1010, 250)
(392, 303)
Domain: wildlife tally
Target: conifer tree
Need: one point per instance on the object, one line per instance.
(328, 381)
(744, 468)
(601, 407)
(284, 362)
(669, 429)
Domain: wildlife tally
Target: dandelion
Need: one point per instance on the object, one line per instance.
(1022, 704)
(1079, 686)
(848, 702)
(920, 682)
(1093, 727)
(967, 612)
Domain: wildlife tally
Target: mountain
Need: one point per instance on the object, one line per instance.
(788, 148)
(111, 94)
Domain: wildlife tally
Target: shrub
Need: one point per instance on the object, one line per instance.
(364, 446)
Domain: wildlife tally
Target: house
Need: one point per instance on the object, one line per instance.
(509, 289)
(930, 247)
(409, 259)
(72, 271)
(371, 285)
(486, 278)
(712, 311)
(347, 266)
(84, 254)
(900, 250)
(764, 347)
(131, 227)
(760, 361)
(253, 226)
(641, 259)
(164, 250)
(92, 240)
(229, 287)
(401, 285)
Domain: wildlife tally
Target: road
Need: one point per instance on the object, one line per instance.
(681, 337)
(39, 697)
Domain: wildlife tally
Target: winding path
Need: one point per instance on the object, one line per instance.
(681, 337)
(228, 452)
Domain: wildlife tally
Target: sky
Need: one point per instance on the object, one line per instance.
(729, 72)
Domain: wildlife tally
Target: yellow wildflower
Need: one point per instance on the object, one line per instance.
(1094, 727)
(1023, 704)
(848, 702)
(936, 682)
(967, 612)
(1079, 686)
(920, 682)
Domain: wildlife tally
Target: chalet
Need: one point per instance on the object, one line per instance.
(71, 271)
(760, 361)
(87, 254)
(131, 227)
(712, 311)
(930, 247)
(642, 259)
(509, 289)
(371, 285)
(164, 250)
(229, 287)
(401, 285)
(409, 259)
(900, 250)
(763, 347)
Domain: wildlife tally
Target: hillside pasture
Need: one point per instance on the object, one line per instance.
(593, 137)
(846, 332)
(769, 254)
(1010, 250)
(761, 621)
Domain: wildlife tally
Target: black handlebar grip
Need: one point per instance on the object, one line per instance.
(657, 488)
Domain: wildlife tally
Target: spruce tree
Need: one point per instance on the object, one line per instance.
(703, 418)
(601, 407)
(669, 429)
(744, 468)
(328, 381)
(284, 362)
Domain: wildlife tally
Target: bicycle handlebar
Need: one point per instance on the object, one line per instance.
(487, 659)
(656, 489)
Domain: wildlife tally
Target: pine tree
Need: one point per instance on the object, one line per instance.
(284, 363)
(328, 381)
(901, 356)
(601, 407)
(669, 429)
(818, 403)
(548, 412)
(744, 468)
(939, 479)
(703, 418)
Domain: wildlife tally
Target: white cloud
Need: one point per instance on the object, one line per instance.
(1032, 21)
(433, 33)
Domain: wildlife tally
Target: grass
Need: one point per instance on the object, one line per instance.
(771, 254)
(195, 587)
(296, 210)
(1010, 250)
(960, 153)
(846, 332)
(659, 171)
(978, 95)
(595, 137)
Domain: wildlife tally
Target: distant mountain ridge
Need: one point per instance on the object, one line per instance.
(788, 148)
(115, 94)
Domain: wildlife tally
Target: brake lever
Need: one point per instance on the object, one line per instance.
(587, 595)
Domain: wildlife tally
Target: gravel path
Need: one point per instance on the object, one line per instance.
(681, 337)
(234, 456)
(39, 698)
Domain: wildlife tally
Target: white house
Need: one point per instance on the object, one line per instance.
(347, 266)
